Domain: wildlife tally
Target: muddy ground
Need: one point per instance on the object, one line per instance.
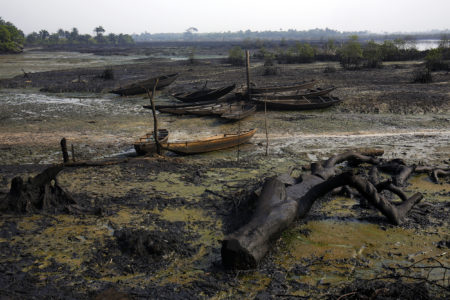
(185, 205)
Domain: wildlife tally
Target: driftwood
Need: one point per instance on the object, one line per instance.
(278, 205)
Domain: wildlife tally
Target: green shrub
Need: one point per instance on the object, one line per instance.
(236, 56)
(300, 53)
(434, 60)
(351, 54)
(269, 58)
(305, 52)
(388, 50)
(372, 55)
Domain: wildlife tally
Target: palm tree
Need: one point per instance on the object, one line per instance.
(61, 33)
(74, 34)
(44, 34)
(99, 30)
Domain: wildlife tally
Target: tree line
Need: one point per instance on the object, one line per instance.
(317, 34)
(352, 54)
(13, 40)
(73, 37)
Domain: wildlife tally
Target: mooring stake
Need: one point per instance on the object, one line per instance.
(64, 150)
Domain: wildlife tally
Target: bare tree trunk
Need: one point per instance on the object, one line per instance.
(155, 120)
(247, 68)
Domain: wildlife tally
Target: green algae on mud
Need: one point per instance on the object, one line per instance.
(332, 247)
(336, 252)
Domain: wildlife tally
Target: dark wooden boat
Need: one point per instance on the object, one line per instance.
(209, 144)
(142, 86)
(298, 104)
(207, 109)
(272, 89)
(298, 95)
(183, 108)
(146, 144)
(231, 110)
(181, 105)
(239, 112)
(204, 94)
(234, 109)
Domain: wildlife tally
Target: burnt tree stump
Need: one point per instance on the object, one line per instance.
(41, 193)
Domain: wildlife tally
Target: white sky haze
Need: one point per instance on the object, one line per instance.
(136, 16)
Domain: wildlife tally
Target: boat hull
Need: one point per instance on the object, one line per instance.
(146, 144)
(239, 113)
(298, 86)
(204, 95)
(299, 95)
(145, 85)
(298, 104)
(210, 144)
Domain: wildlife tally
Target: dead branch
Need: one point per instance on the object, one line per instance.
(389, 186)
(434, 172)
(399, 169)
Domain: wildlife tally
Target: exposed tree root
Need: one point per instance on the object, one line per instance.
(279, 205)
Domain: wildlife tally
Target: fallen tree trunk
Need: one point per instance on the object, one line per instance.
(279, 205)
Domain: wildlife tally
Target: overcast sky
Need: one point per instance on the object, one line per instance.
(136, 16)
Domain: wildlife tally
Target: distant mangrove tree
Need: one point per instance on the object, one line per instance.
(11, 38)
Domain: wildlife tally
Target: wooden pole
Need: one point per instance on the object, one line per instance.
(239, 133)
(155, 120)
(247, 67)
(265, 125)
(64, 150)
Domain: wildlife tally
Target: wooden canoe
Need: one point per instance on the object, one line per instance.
(204, 94)
(232, 111)
(213, 143)
(146, 144)
(207, 109)
(272, 89)
(298, 95)
(239, 112)
(184, 108)
(298, 104)
(185, 105)
(142, 86)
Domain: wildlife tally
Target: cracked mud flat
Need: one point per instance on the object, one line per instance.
(194, 201)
